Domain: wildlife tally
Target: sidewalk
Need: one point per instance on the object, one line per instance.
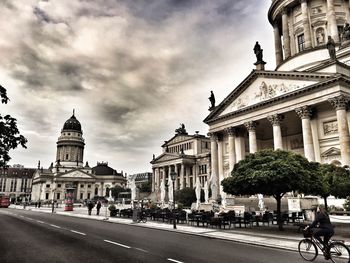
(267, 236)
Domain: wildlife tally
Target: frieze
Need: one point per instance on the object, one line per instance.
(330, 127)
(264, 92)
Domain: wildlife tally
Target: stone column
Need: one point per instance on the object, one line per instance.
(251, 127)
(231, 147)
(339, 103)
(220, 162)
(182, 172)
(275, 121)
(285, 31)
(214, 166)
(177, 175)
(154, 179)
(163, 174)
(305, 114)
(332, 22)
(278, 44)
(306, 23)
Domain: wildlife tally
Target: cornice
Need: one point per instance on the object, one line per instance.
(296, 93)
(272, 74)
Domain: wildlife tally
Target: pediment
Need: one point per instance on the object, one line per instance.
(331, 152)
(165, 157)
(263, 89)
(177, 139)
(76, 174)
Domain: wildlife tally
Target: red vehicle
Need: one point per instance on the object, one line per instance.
(4, 201)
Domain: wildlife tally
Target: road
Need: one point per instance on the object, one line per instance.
(27, 236)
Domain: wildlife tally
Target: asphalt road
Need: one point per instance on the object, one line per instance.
(27, 236)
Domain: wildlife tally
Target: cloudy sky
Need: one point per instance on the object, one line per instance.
(133, 70)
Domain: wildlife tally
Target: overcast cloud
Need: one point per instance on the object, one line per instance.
(132, 70)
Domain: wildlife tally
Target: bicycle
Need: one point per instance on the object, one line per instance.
(336, 250)
(141, 217)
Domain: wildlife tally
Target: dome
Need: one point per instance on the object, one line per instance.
(72, 124)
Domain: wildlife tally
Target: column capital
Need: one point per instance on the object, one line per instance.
(302, 1)
(250, 125)
(231, 131)
(304, 112)
(275, 119)
(213, 136)
(339, 102)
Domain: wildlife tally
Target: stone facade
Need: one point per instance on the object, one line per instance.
(16, 181)
(186, 155)
(301, 106)
(69, 171)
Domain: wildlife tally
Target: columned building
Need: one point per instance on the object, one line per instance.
(301, 106)
(69, 172)
(186, 155)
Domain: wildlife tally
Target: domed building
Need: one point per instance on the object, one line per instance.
(301, 106)
(69, 171)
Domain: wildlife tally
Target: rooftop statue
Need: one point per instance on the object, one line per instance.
(212, 100)
(258, 52)
(331, 48)
(181, 130)
(346, 34)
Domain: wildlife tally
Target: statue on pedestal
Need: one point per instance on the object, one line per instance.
(212, 100)
(132, 187)
(198, 193)
(170, 191)
(331, 48)
(258, 52)
(206, 192)
(162, 192)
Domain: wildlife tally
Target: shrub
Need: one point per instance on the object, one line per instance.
(112, 208)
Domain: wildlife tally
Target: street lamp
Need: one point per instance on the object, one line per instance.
(173, 178)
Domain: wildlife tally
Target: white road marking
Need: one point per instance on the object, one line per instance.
(173, 260)
(115, 243)
(55, 226)
(140, 249)
(41, 222)
(79, 233)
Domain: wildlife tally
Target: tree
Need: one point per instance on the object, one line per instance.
(269, 172)
(10, 137)
(116, 190)
(186, 196)
(333, 180)
(146, 187)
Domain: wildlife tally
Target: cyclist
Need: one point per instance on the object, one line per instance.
(325, 228)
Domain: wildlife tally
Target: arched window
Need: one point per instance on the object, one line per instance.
(96, 191)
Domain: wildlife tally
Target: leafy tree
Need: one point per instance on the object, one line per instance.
(272, 173)
(10, 137)
(116, 190)
(334, 180)
(185, 196)
(146, 187)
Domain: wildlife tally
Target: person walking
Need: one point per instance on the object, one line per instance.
(90, 206)
(98, 207)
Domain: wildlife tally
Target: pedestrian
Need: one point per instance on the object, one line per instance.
(36, 204)
(90, 206)
(98, 207)
(39, 204)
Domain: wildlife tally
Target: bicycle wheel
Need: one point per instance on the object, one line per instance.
(339, 252)
(307, 249)
(144, 219)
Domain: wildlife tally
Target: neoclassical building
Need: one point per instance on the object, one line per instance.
(69, 172)
(186, 155)
(300, 106)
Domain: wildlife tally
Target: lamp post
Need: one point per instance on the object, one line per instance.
(173, 178)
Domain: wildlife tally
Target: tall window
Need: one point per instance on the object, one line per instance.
(301, 42)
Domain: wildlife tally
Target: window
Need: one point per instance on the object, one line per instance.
(59, 185)
(47, 186)
(96, 191)
(81, 195)
(81, 186)
(89, 185)
(58, 196)
(89, 195)
(67, 156)
(47, 196)
(301, 42)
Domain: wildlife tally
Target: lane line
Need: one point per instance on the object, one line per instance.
(140, 249)
(173, 260)
(55, 226)
(41, 222)
(115, 243)
(79, 233)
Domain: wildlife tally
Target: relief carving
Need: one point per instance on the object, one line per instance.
(296, 143)
(330, 127)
